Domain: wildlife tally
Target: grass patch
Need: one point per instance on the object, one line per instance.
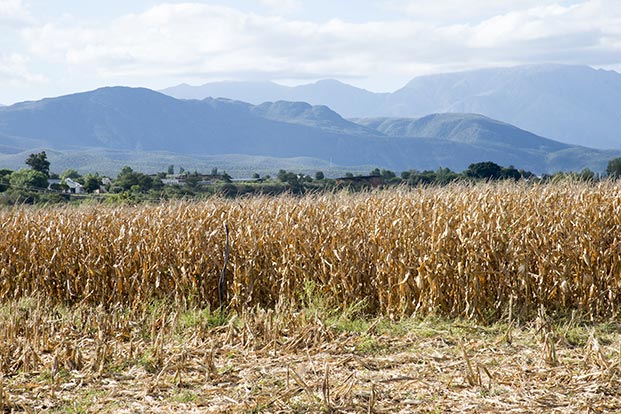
(202, 317)
(184, 396)
(369, 345)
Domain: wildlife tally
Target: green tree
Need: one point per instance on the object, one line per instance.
(586, 175)
(135, 181)
(92, 183)
(526, 174)
(28, 180)
(387, 174)
(282, 175)
(292, 179)
(422, 177)
(4, 179)
(70, 173)
(484, 170)
(171, 169)
(319, 175)
(126, 171)
(445, 176)
(614, 168)
(59, 187)
(193, 180)
(510, 173)
(228, 190)
(38, 162)
(225, 177)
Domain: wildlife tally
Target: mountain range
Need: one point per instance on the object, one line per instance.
(125, 124)
(347, 100)
(577, 105)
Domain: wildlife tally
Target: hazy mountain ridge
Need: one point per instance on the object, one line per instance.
(577, 105)
(137, 120)
(572, 104)
(318, 116)
(346, 100)
(141, 119)
(465, 128)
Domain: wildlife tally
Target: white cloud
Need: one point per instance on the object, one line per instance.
(580, 33)
(10, 7)
(282, 6)
(197, 40)
(14, 70)
(463, 10)
(13, 12)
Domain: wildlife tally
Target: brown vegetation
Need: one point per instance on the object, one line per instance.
(337, 303)
(466, 251)
(165, 359)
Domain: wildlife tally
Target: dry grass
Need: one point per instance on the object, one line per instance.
(462, 251)
(165, 360)
(107, 309)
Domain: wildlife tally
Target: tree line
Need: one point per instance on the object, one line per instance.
(36, 184)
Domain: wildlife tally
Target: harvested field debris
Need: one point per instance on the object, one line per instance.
(486, 298)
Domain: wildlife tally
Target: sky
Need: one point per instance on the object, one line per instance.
(51, 48)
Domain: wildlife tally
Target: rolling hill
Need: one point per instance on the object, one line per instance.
(573, 104)
(471, 129)
(119, 122)
(318, 116)
(577, 105)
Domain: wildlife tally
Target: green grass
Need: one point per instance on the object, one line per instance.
(184, 396)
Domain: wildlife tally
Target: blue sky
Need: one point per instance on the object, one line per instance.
(50, 48)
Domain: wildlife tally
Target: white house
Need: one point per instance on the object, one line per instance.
(74, 187)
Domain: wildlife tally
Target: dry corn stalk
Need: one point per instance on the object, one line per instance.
(471, 251)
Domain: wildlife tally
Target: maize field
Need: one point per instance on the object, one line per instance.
(473, 251)
(336, 303)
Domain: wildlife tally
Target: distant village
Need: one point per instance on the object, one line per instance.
(36, 184)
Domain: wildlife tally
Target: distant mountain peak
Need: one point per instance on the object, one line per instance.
(345, 99)
(137, 119)
(333, 83)
(471, 129)
(303, 113)
(575, 104)
(570, 103)
(289, 104)
(329, 81)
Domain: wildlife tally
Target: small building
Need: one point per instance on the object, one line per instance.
(74, 187)
(182, 179)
